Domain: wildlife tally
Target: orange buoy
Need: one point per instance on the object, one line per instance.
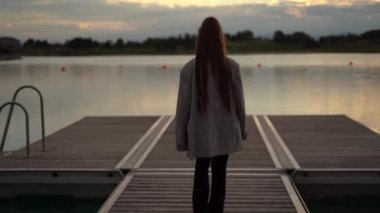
(351, 63)
(259, 65)
(63, 69)
(164, 67)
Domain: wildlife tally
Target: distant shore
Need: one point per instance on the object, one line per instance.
(242, 42)
(117, 53)
(9, 57)
(190, 53)
(233, 49)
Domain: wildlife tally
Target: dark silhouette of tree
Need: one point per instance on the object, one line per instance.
(189, 41)
(9, 46)
(185, 43)
(29, 43)
(133, 44)
(332, 39)
(349, 39)
(299, 37)
(119, 43)
(171, 43)
(372, 35)
(108, 44)
(42, 44)
(81, 43)
(245, 35)
(279, 36)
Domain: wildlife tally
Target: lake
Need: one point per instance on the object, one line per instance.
(75, 87)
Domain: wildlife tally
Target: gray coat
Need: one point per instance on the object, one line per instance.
(217, 132)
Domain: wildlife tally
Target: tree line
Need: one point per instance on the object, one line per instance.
(242, 41)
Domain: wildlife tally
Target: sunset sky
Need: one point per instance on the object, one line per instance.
(58, 20)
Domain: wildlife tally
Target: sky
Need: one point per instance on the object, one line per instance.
(135, 20)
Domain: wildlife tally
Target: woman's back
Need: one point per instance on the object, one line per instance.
(210, 117)
(218, 131)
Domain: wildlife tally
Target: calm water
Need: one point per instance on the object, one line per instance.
(137, 85)
(347, 204)
(49, 203)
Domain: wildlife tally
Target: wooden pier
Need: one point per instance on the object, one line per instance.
(88, 144)
(139, 154)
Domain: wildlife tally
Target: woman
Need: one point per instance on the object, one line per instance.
(210, 117)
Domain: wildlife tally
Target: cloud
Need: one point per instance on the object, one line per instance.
(184, 3)
(336, 3)
(59, 20)
(83, 25)
(8, 25)
(298, 12)
(44, 2)
(215, 3)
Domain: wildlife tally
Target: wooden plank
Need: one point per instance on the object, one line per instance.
(329, 141)
(92, 142)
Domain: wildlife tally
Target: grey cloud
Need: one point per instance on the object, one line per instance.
(162, 21)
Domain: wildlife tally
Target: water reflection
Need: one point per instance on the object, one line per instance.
(113, 86)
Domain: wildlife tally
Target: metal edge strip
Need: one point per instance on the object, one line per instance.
(282, 144)
(138, 144)
(270, 149)
(120, 188)
(294, 195)
(106, 207)
(153, 143)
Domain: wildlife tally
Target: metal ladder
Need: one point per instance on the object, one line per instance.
(14, 103)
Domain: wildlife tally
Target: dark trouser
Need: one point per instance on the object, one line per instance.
(201, 204)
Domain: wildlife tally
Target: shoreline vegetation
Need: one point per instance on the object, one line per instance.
(242, 42)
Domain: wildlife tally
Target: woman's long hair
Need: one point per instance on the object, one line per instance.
(211, 55)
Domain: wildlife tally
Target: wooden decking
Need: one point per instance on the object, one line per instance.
(328, 142)
(90, 143)
(163, 182)
(159, 179)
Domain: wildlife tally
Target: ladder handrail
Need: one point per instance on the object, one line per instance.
(11, 112)
(13, 103)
